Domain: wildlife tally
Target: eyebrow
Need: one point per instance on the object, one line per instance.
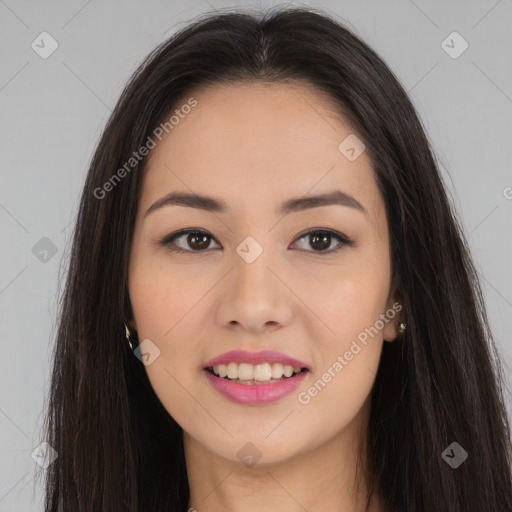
(299, 204)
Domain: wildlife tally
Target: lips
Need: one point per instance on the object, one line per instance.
(255, 391)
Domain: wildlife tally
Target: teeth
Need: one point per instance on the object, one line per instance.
(245, 371)
(232, 371)
(277, 371)
(262, 372)
(259, 372)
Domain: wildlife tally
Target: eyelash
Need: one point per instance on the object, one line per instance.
(169, 239)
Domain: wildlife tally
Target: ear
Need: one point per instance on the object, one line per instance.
(393, 312)
(128, 314)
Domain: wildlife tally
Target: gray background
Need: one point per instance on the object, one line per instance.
(54, 109)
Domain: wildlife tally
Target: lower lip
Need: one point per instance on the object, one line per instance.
(255, 394)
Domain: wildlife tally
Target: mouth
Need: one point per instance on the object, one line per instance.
(254, 385)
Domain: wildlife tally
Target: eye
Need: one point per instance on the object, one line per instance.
(195, 238)
(199, 240)
(321, 240)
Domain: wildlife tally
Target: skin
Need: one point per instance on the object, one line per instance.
(256, 145)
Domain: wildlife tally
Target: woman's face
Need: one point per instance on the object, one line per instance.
(252, 280)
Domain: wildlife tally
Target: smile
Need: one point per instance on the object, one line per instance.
(252, 391)
(254, 378)
(246, 373)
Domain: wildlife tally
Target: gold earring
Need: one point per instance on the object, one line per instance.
(127, 334)
(402, 327)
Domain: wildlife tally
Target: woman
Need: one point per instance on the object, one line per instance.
(270, 304)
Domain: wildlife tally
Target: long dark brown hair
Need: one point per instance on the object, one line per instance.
(119, 449)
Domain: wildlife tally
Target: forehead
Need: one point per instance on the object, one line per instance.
(257, 144)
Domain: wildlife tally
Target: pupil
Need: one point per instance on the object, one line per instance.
(202, 245)
(326, 240)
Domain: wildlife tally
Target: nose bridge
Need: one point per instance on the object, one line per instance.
(252, 274)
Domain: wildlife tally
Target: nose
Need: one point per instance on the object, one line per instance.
(254, 297)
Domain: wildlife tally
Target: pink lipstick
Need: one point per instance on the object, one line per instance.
(255, 378)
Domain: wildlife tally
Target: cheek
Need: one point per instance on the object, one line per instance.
(163, 298)
(347, 345)
(350, 301)
(163, 302)
(352, 314)
(349, 339)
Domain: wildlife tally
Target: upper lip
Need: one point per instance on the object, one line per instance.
(264, 356)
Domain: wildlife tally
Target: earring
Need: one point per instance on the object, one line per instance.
(127, 334)
(402, 327)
